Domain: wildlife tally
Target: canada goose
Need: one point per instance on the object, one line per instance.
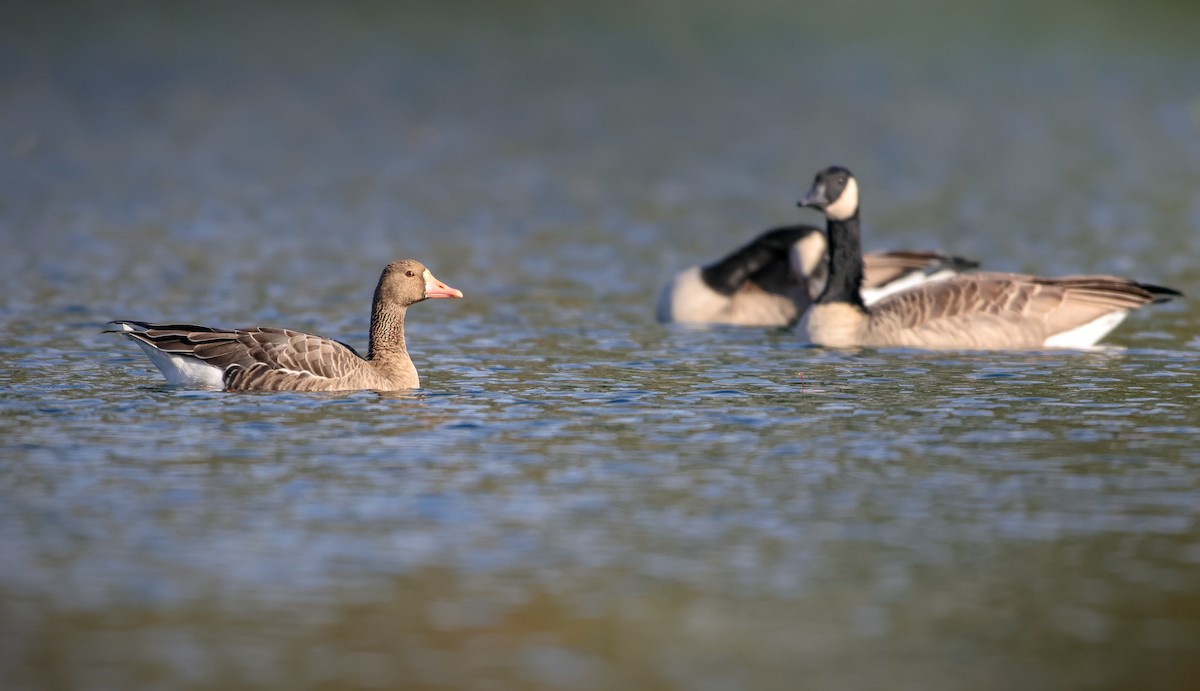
(772, 280)
(270, 359)
(986, 310)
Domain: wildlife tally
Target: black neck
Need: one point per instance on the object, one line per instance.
(727, 275)
(844, 283)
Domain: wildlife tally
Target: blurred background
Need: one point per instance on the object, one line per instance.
(1040, 138)
(259, 162)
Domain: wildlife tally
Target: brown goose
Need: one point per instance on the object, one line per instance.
(984, 310)
(772, 280)
(270, 359)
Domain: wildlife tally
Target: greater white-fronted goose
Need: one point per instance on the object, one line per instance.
(985, 310)
(270, 359)
(772, 280)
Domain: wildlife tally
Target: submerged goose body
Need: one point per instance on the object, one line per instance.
(986, 310)
(756, 285)
(272, 359)
(772, 280)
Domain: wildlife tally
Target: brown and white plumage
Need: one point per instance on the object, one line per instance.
(773, 279)
(985, 310)
(272, 359)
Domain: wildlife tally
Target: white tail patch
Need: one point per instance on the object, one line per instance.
(1087, 335)
(181, 370)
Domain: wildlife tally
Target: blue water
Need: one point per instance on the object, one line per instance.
(580, 497)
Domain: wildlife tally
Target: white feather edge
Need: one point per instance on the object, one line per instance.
(911, 279)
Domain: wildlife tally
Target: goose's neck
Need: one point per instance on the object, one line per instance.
(844, 282)
(387, 333)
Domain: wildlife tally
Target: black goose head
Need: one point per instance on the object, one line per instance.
(835, 192)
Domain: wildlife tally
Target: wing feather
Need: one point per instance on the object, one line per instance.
(993, 310)
(881, 268)
(259, 357)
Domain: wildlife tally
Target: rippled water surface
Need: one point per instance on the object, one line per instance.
(580, 497)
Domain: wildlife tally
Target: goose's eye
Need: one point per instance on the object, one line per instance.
(410, 273)
(841, 181)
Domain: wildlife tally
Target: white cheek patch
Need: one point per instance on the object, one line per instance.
(846, 205)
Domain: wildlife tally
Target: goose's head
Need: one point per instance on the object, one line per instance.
(835, 192)
(407, 281)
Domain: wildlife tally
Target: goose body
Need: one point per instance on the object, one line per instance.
(985, 310)
(772, 280)
(273, 359)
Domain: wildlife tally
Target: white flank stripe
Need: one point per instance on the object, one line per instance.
(1088, 334)
(908, 280)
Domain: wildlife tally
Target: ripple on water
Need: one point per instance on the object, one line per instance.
(580, 496)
